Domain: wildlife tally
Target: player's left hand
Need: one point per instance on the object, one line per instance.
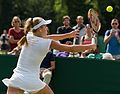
(74, 34)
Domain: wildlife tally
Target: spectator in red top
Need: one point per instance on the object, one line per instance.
(15, 33)
(87, 39)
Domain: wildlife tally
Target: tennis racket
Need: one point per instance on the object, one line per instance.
(94, 20)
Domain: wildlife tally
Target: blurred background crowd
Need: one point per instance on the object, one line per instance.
(66, 16)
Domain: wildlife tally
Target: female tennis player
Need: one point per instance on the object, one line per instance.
(35, 45)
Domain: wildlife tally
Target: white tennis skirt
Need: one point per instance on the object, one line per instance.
(29, 83)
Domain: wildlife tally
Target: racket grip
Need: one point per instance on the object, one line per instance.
(93, 40)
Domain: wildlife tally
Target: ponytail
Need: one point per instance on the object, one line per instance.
(27, 28)
(22, 41)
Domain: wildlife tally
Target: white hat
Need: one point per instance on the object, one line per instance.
(108, 56)
(42, 23)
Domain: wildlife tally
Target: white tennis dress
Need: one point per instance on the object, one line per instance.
(26, 74)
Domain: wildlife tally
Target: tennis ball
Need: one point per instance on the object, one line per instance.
(109, 9)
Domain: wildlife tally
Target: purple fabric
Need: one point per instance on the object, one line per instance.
(62, 54)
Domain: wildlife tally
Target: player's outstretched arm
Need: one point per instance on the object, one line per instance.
(71, 48)
(63, 36)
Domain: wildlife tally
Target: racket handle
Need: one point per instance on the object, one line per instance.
(93, 40)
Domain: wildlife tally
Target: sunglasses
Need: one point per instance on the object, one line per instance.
(114, 23)
(16, 21)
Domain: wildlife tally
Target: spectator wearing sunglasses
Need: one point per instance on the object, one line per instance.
(112, 39)
(15, 33)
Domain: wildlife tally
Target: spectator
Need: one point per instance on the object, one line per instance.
(65, 29)
(64, 54)
(81, 27)
(95, 54)
(108, 56)
(112, 39)
(15, 33)
(4, 34)
(4, 42)
(46, 68)
(87, 39)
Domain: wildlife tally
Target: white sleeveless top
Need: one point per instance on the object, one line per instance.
(26, 74)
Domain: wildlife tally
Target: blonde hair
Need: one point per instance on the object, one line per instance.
(15, 18)
(29, 24)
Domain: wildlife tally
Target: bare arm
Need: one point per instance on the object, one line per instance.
(51, 68)
(107, 38)
(63, 36)
(71, 48)
(12, 40)
(52, 65)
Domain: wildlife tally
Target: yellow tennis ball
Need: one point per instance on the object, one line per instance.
(109, 9)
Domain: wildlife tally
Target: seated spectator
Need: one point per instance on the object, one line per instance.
(95, 54)
(108, 56)
(15, 33)
(64, 54)
(87, 39)
(46, 68)
(4, 42)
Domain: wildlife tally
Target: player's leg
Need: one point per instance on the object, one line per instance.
(12, 90)
(45, 90)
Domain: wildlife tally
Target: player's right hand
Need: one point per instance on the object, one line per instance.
(74, 34)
